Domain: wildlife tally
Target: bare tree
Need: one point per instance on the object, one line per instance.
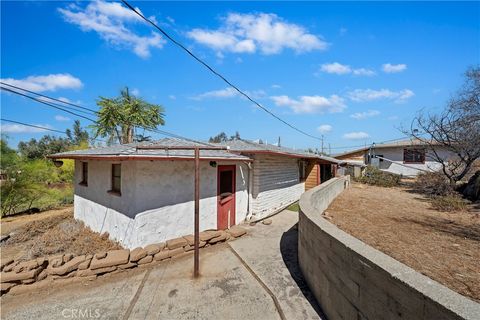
(456, 129)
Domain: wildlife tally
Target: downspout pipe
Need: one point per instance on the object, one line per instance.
(249, 190)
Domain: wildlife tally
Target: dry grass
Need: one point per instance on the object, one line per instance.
(444, 246)
(449, 203)
(54, 234)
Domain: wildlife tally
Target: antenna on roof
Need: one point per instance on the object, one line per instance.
(278, 144)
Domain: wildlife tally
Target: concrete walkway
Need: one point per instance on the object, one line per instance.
(271, 252)
(254, 277)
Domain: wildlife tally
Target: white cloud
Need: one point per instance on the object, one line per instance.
(50, 82)
(359, 135)
(19, 128)
(62, 118)
(393, 68)
(136, 92)
(393, 118)
(227, 93)
(222, 93)
(363, 95)
(248, 33)
(363, 72)
(64, 99)
(109, 20)
(336, 68)
(325, 128)
(172, 97)
(340, 69)
(365, 114)
(276, 86)
(343, 31)
(311, 104)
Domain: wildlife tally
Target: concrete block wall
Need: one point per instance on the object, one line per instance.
(276, 183)
(352, 280)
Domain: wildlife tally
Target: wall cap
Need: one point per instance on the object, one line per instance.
(438, 293)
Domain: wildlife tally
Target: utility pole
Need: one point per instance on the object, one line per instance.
(279, 141)
(329, 149)
(196, 234)
(196, 211)
(322, 143)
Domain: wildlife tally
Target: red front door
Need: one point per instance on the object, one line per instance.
(225, 197)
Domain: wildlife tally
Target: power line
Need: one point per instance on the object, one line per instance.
(47, 103)
(56, 106)
(32, 125)
(43, 128)
(50, 98)
(211, 69)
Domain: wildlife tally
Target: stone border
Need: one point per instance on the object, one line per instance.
(64, 266)
(352, 280)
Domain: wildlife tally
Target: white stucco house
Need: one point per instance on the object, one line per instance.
(406, 157)
(140, 195)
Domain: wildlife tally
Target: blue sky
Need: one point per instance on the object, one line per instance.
(354, 72)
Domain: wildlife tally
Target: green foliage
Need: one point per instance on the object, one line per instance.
(40, 149)
(31, 180)
(35, 184)
(377, 177)
(294, 207)
(79, 135)
(118, 117)
(222, 137)
(8, 156)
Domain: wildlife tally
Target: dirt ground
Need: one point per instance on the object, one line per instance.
(444, 246)
(48, 233)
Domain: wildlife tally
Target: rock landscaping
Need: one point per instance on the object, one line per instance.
(64, 266)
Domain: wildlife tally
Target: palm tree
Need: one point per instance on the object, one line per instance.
(119, 117)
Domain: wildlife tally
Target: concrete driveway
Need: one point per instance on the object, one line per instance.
(254, 277)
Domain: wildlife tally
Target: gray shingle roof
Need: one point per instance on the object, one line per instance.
(246, 146)
(233, 153)
(131, 151)
(400, 143)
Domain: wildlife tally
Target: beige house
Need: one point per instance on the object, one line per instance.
(140, 195)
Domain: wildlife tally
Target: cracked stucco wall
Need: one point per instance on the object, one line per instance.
(157, 200)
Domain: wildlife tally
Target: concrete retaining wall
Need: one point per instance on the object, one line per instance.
(352, 280)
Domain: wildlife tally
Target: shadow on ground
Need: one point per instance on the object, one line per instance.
(470, 231)
(289, 250)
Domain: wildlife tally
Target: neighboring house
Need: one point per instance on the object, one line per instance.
(406, 157)
(141, 196)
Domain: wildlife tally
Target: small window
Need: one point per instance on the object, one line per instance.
(226, 183)
(116, 178)
(414, 156)
(84, 181)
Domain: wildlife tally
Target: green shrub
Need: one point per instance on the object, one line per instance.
(451, 202)
(377, 177)
(433, 184)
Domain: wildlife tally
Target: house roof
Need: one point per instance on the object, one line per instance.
(132, 152)
(400, 143)
(247, 146)
(139, 151)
